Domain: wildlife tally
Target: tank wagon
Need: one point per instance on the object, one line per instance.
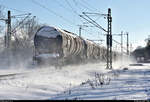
(59, 47)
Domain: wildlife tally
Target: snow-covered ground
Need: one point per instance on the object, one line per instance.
(83, 82)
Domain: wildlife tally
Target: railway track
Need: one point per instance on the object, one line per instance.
(11, 76)
(7, 75)
(18, 74)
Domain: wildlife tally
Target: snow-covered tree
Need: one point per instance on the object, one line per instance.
(22, 36)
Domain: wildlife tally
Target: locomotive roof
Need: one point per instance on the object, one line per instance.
(52, 32)
(47, 31)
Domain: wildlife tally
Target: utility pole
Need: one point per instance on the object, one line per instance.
(81, 27)
(121, 44)
(8, 37)
(127, 43)
(130, 48)
(108, 31)
(80, 31)
(109, 41)
(8, 33)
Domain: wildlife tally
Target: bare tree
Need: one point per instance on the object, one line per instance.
(2, 16)
(23, 35)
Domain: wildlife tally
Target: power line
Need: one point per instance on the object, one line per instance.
(70, 10)
(85, 6)
(115, 40)
(74, 1)
(85, 2)
(13, 9)
(51, 11)
(71, 7)
(63, 6)
(88, 33)
(92, 21)
(13, 31)
(119, 44)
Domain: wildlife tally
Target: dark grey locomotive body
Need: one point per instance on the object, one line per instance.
(59, 47)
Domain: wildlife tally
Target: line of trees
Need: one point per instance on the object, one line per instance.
(21, 36)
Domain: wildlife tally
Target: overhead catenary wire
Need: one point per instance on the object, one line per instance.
(71, 7)
(20, 15)
(89, 32)
(92, 22)
(83, 5)
(119, 44)
(115, 40)
(13, 31)
(68, 9)
(74, 1)
(85, 2)
(61, 5)
(13, 9)
(53, 12)
(72, 10)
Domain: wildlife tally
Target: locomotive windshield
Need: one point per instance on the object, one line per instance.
(47, 45)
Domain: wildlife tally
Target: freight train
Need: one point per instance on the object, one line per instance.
(59, 47)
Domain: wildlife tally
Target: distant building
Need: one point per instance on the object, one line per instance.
(143, 54)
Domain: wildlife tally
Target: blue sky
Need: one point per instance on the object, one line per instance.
(128, 15)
